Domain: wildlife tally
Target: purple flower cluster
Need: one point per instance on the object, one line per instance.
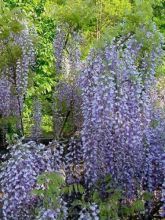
(74, 54)
(5, 96)
(59, 45)
(118, 114)
(54, 214)
(37, 119)
(15, 75)
(54, 154)
(67, 105)
(48, 214)
(73, 162)
(67, 99)
(19, 75)
(92, 213)
(19, 175)
(162, 210)
(18, 178)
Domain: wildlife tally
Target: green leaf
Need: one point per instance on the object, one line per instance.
(147, 196)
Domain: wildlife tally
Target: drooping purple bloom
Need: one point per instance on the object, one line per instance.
(118, 113)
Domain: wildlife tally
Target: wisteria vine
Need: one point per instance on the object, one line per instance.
(118, 134)
(114, 104)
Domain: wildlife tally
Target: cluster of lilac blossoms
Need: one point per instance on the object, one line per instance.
(37, 119)
(15, 74)
(73, 162)
(67, 106)
(92, 213)
(66, 96)
(54, 214)
(162, 210)
(118, 115)
(59, 45)
(19, 177)
(5, 96)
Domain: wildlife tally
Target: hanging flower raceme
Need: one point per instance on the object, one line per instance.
(91, 214)
(66, 96)
(37, 119)
(117, 110)
(18, 177)
(5, 96)
(27, 59)
(59, 46)
(74, 162)
(54, 154)
(67, 107)
(16, 70)
(18, 75)
(162, 210)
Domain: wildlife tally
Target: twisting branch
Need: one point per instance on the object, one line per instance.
(66, 118)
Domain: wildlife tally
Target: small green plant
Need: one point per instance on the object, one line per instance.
(111, 203)
(50, 185)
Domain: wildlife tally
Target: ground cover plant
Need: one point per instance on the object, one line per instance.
(82, 110)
